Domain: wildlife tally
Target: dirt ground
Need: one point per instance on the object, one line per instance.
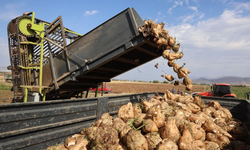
(122, 87)
(118, 87)
(141, 87)
(5, 95)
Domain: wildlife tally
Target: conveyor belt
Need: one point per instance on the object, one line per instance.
(110, 49)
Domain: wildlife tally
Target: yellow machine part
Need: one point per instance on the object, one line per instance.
(23, 23)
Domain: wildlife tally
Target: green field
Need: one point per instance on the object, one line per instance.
(240, 91)
(5, 87)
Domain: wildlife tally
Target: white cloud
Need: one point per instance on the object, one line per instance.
(187, 2)
(196, 15)
(192, 17)
(176, 3)
(160, 17)
(217, 46)
(201, 16)
(240, 5)
(187, 18)
(88, 13)
(170, 10)
(193, 8)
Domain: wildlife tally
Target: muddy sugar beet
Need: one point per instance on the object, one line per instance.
(167, 122)
(157, 34)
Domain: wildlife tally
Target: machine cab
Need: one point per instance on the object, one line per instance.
(222, 90)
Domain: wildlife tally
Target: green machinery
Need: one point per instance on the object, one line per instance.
(32, 42)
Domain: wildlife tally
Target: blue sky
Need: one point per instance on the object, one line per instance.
(214, 34)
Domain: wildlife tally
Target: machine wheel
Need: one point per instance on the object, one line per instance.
(23, 23)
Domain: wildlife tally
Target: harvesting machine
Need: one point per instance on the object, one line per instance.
(58, 63)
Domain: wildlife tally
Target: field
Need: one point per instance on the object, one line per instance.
(141, 87)
(240, 91)
(5, 93)
(122, 87)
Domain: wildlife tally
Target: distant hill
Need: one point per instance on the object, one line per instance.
(229, 80)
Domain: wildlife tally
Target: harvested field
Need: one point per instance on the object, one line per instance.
(141, 87)
(118, 87)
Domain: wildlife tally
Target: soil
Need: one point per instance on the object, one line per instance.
(5, 96)
(141, 87)
(118, 87)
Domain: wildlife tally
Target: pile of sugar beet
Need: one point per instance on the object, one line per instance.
(167, 122)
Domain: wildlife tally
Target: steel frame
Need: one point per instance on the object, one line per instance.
(27, 56)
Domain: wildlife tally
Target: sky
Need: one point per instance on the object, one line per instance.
(214, 34)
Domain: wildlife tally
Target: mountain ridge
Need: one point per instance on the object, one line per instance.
(229, 79)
